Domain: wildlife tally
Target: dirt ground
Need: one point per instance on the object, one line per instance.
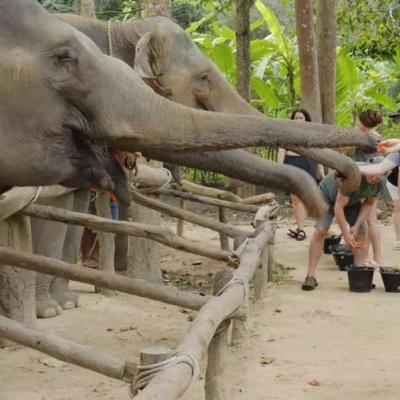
(347, 342)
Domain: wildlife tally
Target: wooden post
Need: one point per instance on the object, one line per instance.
(214, 384)
(121, 241)
(181, 222)
(17, 286)
(106, 239)
(271, 259)
(223, 217)
(239, 328)
(149, 356)
(144, 254)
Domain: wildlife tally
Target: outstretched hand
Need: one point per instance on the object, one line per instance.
(389, 146)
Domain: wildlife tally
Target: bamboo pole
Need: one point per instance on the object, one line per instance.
(221, 227)
(152, 232)
(209, 201)
(137, 287)
(68, 351)
(196, 189)
(173, 382)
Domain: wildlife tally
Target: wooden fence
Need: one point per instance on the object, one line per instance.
(160, 373)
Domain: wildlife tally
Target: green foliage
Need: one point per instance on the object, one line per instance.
(370, 27)
(58, 6)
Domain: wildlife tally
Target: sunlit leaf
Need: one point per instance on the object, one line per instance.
(265, 92)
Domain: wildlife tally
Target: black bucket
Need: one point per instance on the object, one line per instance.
(360, 278)
(342, 255)
(391, 279)
(331, 241)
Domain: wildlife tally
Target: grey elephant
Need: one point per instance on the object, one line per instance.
(64, 103)
(168, 60)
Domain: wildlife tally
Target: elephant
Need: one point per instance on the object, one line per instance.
(64, 104)
(168, 60)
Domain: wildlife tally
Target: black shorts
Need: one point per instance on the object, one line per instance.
(303, 163)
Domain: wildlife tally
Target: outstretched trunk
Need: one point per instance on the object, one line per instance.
(255, 170)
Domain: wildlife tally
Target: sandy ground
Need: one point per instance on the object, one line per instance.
(348, 342)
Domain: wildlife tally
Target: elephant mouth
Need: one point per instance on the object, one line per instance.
(97, 166)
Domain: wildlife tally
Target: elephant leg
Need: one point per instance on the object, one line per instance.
(48, 239)
(59, 288)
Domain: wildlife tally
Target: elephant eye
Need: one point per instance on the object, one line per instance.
(202, 83)
(65, 55)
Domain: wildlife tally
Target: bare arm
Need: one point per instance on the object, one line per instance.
(364, 213)
(340, 204)
(320, 171)
(281, 155)
(377, 169)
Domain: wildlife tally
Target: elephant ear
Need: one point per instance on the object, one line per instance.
(145, 64)
(145, 58)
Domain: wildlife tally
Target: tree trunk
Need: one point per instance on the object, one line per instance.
(243, 69)
(17, 286)
(86, 8)
(310, 94)
(326, 45)
(157, 7)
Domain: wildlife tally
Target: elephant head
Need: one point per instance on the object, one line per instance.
(63, 103)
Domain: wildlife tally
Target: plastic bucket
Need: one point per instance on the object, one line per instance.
(391, 279)
(360, 278)
(331, 241)
(342, 255)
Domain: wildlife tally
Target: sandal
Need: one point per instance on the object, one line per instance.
(310, 283)
(293, 234)
(301, 235)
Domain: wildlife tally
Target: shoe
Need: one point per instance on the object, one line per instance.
(310, 283)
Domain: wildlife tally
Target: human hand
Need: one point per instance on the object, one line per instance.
(349, 240)
(389, 146)
(354, 231)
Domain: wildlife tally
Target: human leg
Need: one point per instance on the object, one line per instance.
(394, 194)
(374, 237)
(351, 215)
(316, 247)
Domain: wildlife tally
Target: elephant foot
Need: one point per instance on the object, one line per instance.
(63, 295)
(47, 308)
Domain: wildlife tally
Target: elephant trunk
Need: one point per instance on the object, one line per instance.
(244, 166)
(140, 120)
(338, 161)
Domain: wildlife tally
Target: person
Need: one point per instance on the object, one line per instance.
(89, 242)
(353, 208)
(368, 121)
(390, 165)
(310, 166)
